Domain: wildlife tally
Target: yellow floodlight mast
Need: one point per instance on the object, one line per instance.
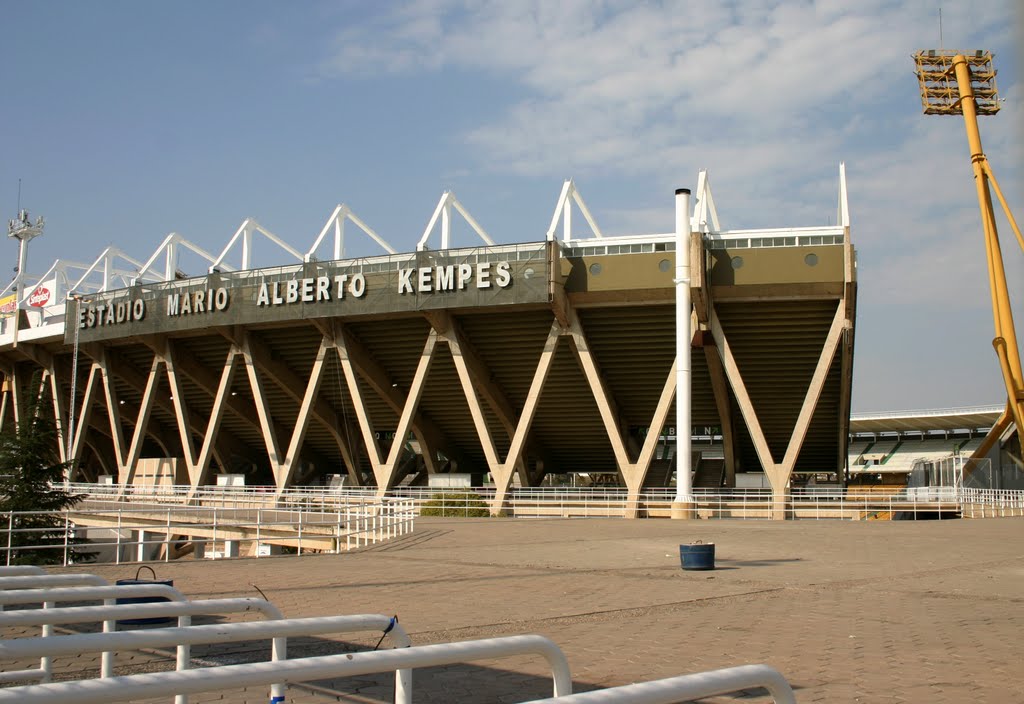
(964, 83)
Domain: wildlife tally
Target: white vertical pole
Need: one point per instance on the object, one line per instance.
(19, 283)
(567, 215)
(446, 223)
(247, 247)
(684, 490)
(339, 236)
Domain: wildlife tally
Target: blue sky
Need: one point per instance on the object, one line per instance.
(126, 121)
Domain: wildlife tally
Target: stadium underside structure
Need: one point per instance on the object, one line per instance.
(517, 361)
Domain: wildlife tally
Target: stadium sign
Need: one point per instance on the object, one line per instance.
(40, 297)
(419, 281)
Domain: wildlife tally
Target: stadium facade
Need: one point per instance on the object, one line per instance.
(545, 357)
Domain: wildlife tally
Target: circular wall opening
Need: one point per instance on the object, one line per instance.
(811, 259)
(737, 262)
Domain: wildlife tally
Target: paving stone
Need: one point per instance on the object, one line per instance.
(848, 612)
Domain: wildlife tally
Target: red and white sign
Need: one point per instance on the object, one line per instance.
(40, 297)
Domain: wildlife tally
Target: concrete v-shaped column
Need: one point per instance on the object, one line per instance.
(780, 473)
(309, 399)
(262, 410)
(127, 457)
(4, 400)
(357, 362)
(634, 473)
(502, 471)
(720, 385)
(84, 418)
(15, 387)
(198, 466)
(384, 469)
(59, 413)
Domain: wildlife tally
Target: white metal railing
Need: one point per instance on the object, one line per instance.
(991, 503)
(162, 684)
(111, 612)
(688, 688)
(277, 631)
(332, 526)
(812, 502)
(51, 589)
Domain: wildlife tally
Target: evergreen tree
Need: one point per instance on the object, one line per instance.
(31, 475)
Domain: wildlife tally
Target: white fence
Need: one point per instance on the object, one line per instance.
(157, 525)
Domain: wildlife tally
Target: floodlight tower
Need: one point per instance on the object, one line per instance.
(22, 229)
(964, 83)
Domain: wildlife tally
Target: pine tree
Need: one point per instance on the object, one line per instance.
(31, 474)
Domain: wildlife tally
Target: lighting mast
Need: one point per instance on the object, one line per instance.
(964, 83)
(23, 230)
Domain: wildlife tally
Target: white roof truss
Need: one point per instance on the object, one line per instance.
(443, 212)
(61, 271)
(108, 272)
(705, 215)
(248, 228)
(843, 211)
(337, 220)
(170, 249)
(569, 196)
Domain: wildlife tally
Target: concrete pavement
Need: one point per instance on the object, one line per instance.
(880, 611)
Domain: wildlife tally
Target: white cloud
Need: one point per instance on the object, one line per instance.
(769, 96)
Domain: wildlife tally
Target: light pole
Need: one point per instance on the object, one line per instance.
(22, 229)
(964, 83)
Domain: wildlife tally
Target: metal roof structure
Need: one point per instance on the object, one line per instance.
(972, 418)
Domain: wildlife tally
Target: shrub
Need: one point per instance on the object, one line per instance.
(463, 504)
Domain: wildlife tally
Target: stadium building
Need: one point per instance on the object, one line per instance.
(554, 356)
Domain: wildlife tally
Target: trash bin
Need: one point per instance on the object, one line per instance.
(697, 556)
(144, 599)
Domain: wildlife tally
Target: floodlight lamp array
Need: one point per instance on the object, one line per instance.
(937, 78)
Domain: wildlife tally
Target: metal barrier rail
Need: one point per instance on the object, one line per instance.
(688, 687)
(180, 607)
(159, 684)
(46, 589)
(186, 636)
(111, 613)
(847, 503)
(20, 570)
(349, 527)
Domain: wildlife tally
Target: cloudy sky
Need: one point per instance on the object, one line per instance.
(126, 121)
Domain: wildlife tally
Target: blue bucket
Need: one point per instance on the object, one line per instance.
(144, 599)
(697, 556)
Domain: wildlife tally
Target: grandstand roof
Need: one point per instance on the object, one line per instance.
(925, 420)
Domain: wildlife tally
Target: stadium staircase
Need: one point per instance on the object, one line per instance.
(710, 473)
(661, 473)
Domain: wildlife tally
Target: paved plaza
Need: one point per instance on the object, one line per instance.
(882, 611)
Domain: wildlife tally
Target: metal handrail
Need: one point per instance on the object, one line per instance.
(159, 684)
(277, 630)
(687, 688)
(110, 614)
(343, 527)
(48, 589)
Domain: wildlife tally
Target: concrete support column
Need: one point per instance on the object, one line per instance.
(198, 548)
(780, 504)
(142, 551)
(231, 548)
